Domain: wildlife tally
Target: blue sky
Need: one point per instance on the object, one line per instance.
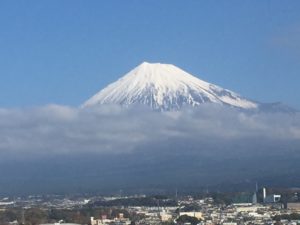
(60, 51)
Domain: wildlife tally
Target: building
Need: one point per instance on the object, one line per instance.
(116, 221)
(198, 215)
(295, 206)
(243, 199)
(164, 216)
(60, 223)
(229, 223)
(272, 198)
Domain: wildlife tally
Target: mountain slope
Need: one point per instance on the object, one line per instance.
(165, 87)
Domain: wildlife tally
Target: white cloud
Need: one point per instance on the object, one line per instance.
(55, 129)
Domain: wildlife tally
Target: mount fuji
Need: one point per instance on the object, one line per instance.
(165, 87)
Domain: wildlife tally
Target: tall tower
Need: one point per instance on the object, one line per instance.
(254, 198)
(264, 194)
(22, 216)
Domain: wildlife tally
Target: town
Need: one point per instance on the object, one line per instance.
(262, 206)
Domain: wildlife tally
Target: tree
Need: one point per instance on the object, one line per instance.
(187, 219)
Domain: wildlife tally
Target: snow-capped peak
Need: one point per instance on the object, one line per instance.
(165, 87)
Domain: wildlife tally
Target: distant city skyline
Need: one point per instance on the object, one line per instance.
(65, 51)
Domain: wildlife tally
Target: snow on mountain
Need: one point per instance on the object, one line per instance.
(165, 87)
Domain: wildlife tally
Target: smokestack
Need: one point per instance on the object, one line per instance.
(264, 193)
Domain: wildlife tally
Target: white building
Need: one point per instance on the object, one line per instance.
(198, 215)
(104, 221)
(272, 198)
